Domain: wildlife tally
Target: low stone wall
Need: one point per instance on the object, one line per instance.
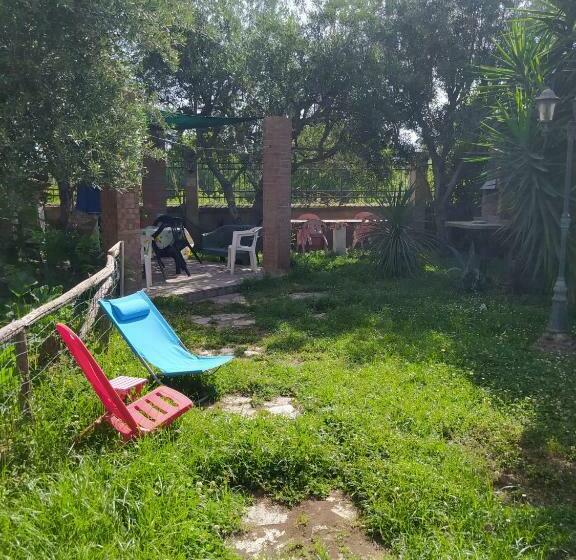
(211, 218)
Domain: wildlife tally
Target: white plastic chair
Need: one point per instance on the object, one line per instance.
(238, 247)
(146, 253)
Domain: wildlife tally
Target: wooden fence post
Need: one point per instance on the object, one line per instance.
(21, 347)
(121, 268)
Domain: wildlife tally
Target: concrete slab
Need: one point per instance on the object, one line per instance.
(208, 280)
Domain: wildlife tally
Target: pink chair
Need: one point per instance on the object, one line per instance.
(308, 217)
(311, 234)
(363, 231)
(369, 216)
(159, 407)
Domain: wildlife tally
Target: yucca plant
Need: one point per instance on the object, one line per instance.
(397, 247)
(527, 159)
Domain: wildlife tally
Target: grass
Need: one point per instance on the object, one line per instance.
(428, 406)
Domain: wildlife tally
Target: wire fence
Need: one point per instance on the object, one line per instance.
(322, 184)
(325, 185)
(318, 185)
(31, 353)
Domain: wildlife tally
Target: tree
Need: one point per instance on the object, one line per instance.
(70, 107)
(260, 58)
(422, 72)
(529, 162)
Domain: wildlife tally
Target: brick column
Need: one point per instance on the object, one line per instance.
(121, 222)
(419, 182)
(154, 183)
(276, 170)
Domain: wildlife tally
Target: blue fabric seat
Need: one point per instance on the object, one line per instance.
(153, 340)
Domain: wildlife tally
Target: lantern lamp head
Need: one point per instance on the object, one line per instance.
(546, 103)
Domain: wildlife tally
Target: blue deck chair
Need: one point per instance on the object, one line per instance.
(152, 339)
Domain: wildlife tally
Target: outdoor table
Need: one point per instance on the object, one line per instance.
(480, 233)
(338, 232)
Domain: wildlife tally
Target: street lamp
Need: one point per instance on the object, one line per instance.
(558, 324)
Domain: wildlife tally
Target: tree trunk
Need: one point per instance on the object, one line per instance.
(258, 206)
(227, 189)
(65, 193)
(439, 205)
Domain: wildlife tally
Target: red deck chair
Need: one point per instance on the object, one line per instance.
(159, 407)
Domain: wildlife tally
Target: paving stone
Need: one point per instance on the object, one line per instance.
(281, 406)
(306, 295)
(228, 299)
(236, 404)
(319, 315)
(273, 531)
(263, 513)
(253, 351)
(224, 320)
(226, 351)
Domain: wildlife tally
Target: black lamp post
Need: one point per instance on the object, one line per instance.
(558, 323)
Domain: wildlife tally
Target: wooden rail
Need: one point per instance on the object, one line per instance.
(12, 329)
(16, 330)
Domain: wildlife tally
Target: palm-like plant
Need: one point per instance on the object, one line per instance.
(396, 246)
(528, 160)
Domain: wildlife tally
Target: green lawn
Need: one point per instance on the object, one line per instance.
(427, 406)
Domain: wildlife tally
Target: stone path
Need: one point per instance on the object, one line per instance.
(224, 320)
(250, 352)
(226, 351)
(331, 525)
(238, 404)
(229, 299)
(253, 351)
(306, 295)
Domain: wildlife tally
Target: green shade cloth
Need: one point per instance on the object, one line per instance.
(186, 122)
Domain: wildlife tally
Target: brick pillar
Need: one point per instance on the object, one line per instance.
(419, 182)
(154, 183)
(276, 170)
(121, 222)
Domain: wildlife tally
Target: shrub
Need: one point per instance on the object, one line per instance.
(396, 246)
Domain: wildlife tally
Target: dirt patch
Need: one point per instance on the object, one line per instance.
(238, 404)
(314, 529)
(545, 480)
(556, 344)
(224, 321)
